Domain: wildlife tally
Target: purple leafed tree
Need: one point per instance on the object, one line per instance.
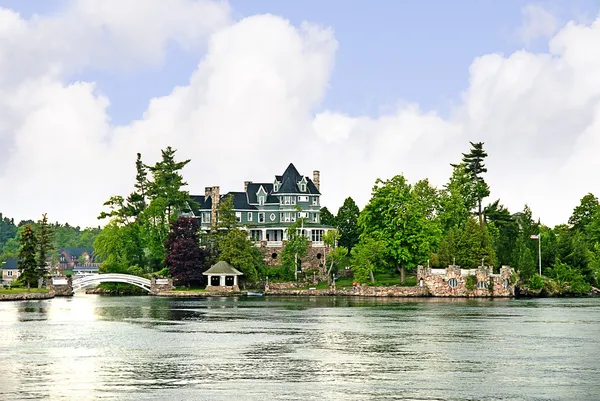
(184, 258)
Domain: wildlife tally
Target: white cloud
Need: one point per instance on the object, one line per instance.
(249, 109)
(537, 23)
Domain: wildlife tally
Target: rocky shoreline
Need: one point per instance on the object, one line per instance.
(27, 296)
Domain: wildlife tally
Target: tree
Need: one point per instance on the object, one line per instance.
(184, 257)
(507, 231)
(457, 199)
(347, 223)
(368, 257)
(584, 212)
(327, 218)
(295, 249)
(475, 167)
(226, 219)
(237, 250)
(473, 246)
(337, 254)
(167, 183)
(44, 245)
(27, 257)
(405, 218)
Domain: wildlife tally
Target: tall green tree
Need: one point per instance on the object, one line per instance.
(583, 214)
(336, 256)
(475, 167)
(27, 257)
(473, 246)
(296, 248)
(368, 257)
(457, 199)
(168, 182)
(236, 249)
(327, 218)
(44, 244)
(405, 218)
(347, 223)
(507, 231)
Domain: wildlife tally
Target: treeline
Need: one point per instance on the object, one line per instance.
(64, 236)
(405, 225)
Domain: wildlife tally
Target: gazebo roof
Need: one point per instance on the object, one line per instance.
(222, 268)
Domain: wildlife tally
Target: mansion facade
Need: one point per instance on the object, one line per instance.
(267, 209)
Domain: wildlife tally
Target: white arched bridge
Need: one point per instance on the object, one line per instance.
(94, 279)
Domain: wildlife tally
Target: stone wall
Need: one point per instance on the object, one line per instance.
(486, 284)
(287, 286)
(161, 284)
(61, 290)
(313, 260)
(26, 296)
(223, 288)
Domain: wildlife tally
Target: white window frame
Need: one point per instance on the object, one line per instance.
(249, 216)
(261, 217)
(315, 217)
(302, 187)
(303, 198)
(9, 272)
(315, 201)
(238, 217)
(453, 283)
(261, 200)
(303, 215)
(272, 217)
(207, 215)
(317, 235)
(275, 187)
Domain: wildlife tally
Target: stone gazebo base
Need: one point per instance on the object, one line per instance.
(223, 288)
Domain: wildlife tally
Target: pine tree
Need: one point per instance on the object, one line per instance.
(327, 218)
(475, 167)
(347, 222)
(27, 256)
(44, 246)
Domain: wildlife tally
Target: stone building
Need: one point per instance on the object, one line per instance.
(454, 281)
(267, 209)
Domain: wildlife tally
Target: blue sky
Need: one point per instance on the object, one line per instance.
(389, 51)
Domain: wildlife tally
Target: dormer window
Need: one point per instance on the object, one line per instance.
(276, 186)
(302, 184)
(261, 200)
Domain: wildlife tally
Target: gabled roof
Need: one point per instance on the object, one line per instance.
(204, 202)
(77, 252)
(240, 201)
(290, 179)
(11, 264)
(253, 189)
(223, 268)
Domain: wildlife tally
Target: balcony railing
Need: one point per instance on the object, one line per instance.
(316, 244)
(274, 244)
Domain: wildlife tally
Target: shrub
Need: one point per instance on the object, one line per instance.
(536, 282)
(471, 282)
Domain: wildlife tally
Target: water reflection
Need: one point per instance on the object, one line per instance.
(90, 347)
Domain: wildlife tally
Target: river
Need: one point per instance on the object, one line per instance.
(323, 348)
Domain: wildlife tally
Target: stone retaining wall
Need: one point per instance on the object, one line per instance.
(26, 296)
(288, 286)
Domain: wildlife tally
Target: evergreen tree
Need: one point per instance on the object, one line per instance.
(237, 250)
(27, 257)
(327, 218)
(44, 243)
(584, 213)
(347, 223)
(167, 183)
(475, 167)
(473, 246)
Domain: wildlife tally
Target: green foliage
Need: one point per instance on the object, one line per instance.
(584, 213)
(295, 249)
(27, 257)
(44, 245)
(327, 218)
(237, 250)
(226, 219)
(536, 282)
(472, 245)
(368, 257)
(347, 223)
(471, 282)
(404, 218)
(475, 167)
(569, 279)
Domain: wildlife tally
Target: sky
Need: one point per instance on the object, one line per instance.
(359, 90)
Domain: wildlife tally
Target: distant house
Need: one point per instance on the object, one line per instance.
(76, 259)
(10, 271)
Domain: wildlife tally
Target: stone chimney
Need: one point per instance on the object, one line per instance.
(207, 191)
(246, 185)
(215, 197)
(317, 179)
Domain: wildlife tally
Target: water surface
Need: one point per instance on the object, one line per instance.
(322, 348)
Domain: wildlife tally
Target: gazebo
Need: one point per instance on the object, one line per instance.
(222, 276)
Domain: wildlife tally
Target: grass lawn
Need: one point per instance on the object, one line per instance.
(23, 290)
(183, 289)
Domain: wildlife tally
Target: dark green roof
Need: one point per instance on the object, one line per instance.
(223, 268)
(11, 264)
(290, 179)
(77, 252)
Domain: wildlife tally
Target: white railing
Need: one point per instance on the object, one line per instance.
(318, 244)
(274, 244)
(88, 281)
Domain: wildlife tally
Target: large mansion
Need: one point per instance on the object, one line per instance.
(267, 209)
